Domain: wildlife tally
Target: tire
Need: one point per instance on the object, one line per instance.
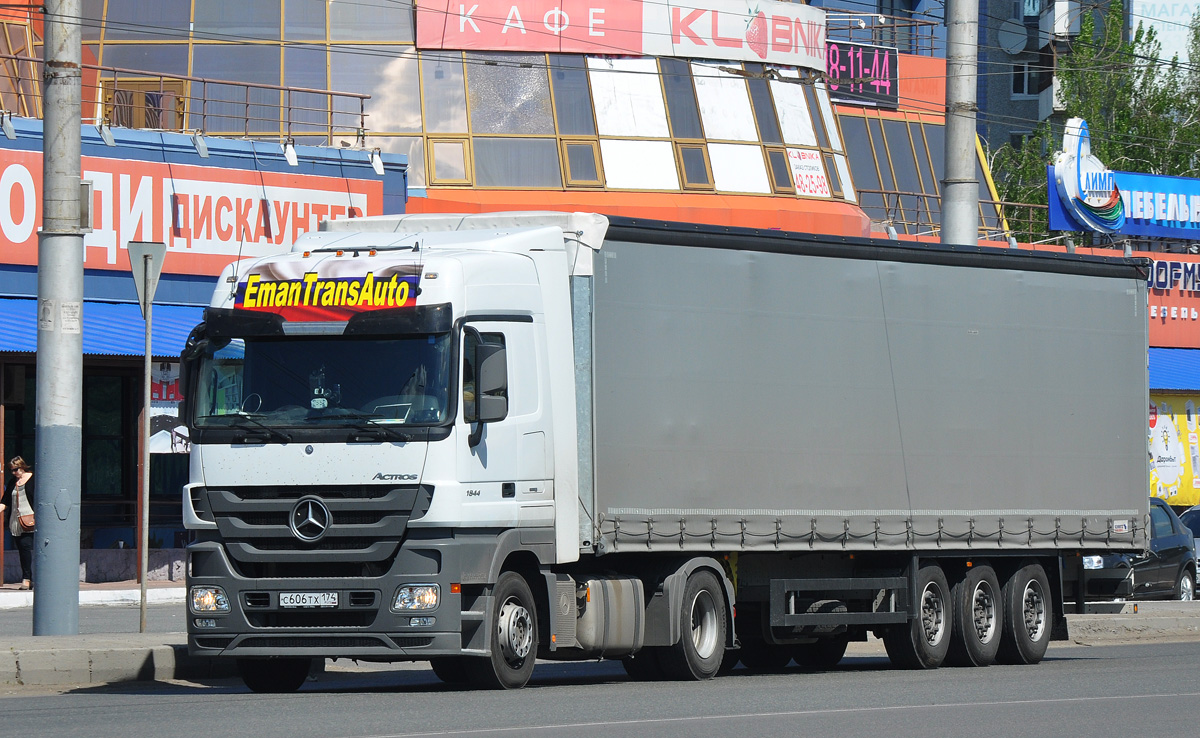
(1028, 617)
(450, 669)
(274, 675)
(1185, 588)
(922, 642)
(978, 611)
(644, 666)
(826, 653)
(514, 641)
(701, 647)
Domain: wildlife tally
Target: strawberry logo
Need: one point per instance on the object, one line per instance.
(756, 33)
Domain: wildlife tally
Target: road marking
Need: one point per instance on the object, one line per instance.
(788, 713)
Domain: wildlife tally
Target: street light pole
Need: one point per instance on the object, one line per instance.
(58, 426)
(960, 187)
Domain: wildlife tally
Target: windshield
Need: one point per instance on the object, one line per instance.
(318, 381)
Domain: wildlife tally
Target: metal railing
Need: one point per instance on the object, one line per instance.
(139, 99)
(909, 35)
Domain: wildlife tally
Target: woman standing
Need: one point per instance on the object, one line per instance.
(21, 499)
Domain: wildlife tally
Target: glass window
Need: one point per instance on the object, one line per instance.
(629, 99)
(305, 66)
(695, 166)
(794, 119)
(91, 12)
(835, 182)
(509, 93)
(516, 162)
(444, 91)
(104, 399)
(304, 20)
(572, 100)
(389, 75)
(903, 163)
(139, 19)
(582, 167)
(835, 141)
(935, 137)
(738, 168)
(814, 108)
(724, 105)
(226, 110)
(681, 100)
(862, 164)
(843, 173)
(234, 20)
(887, 182)
(991, 219)
(169, 59)
(411, 146)
(928, 183)
(1160, 521)
(764, 111)
(639, 165)
(781, 171)
(449, 161)
(391, 20)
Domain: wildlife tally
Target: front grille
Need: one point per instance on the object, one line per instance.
(258, 599)
(295, 493)
(335, 619)
(281, 518)
(336, 544)
(305, 569)
(213, 641)
(410, 642)
(311, 642)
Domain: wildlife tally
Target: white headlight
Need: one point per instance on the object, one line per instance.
(417, 597)
(1093, 562)
(209, 599)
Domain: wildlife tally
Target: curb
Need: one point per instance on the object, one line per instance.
(14, 600)
(101, 659)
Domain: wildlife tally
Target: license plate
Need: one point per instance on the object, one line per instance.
(308, 599)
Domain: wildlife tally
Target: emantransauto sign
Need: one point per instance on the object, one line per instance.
(1087, 196)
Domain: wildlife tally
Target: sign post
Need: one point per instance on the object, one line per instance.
(145, 263)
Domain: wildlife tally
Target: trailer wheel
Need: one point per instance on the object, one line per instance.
(274, 675)
(701, 645)
(978, 609)
(644, 665)
(1028, 617)
(450, 669)
(923, 642)
(514, 642)
(826, 653)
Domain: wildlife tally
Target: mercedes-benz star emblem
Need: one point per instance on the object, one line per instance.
(309, 520)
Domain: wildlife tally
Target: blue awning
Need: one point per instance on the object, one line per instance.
(109, 329)
(1174, 369)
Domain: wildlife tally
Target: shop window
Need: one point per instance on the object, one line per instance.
(371, 21)
(764, 110)
(144, 103)
(388, 74)
(583, 163)
(237, 19)
(448, 162)
(509, 93)
(781, 171)
(639, 165)
(724, 105)
(516, 162)
(693, 162)
(738, 168)
(572, 98)
(628, 98)
(444, 92)
(681, 99)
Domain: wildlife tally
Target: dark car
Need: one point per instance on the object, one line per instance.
(1167, 571)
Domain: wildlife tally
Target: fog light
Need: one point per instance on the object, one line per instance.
(209, 599)
(424, 622)
(1093, 562)
(205, 623)
(417, 597)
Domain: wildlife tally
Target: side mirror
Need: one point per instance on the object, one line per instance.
(491, 388)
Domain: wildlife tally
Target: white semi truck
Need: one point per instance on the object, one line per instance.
(483, 440)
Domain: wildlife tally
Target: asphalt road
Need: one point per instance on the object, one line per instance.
(106, 619)
(1144, 689)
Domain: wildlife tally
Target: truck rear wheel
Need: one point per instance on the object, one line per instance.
(1028, 617)
(274, 675)
(923, 642)
(701, 644)
(514, 642)
(978, 618)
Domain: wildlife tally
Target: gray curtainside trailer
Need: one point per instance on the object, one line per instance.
(481, 440)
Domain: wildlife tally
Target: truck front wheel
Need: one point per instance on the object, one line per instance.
(701, 644)
(274, 675)
(923, 642)
(514, 642)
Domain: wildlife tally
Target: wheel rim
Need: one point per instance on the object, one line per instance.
(933, 614)
(515, 631)
(704, 624)
(1033, 609)
(983, 606)
(1187, 587)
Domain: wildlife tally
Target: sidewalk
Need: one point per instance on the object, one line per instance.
(106, 593)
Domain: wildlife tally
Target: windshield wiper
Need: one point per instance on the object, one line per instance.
(270, 432)
(370, 430)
